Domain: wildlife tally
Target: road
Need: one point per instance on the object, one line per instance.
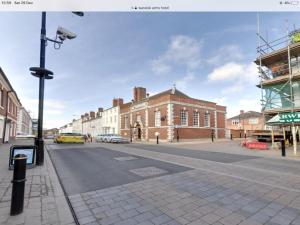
(137, 184)
(84, 169)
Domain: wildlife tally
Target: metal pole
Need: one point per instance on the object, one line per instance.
(40, 141)
(212, 136)
(282, 148)
(157, 142)
(177, 135)
(18, 187)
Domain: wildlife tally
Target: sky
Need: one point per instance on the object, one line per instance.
(208, 56)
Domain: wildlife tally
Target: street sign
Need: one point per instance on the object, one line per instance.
(289, 117)
(28, 150)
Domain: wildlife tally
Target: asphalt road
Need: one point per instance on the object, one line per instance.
(206, 155)
(82, 168)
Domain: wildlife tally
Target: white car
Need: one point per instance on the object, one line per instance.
(100, 138)
(118, 139)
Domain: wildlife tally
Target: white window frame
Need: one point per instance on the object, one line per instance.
(207, 119)
(184, 117)
(126, 122)
(8, 104)
(157, 118)
(196, 119)
(251, 121)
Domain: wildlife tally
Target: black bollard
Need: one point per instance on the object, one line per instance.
(18, 187)
(157, 142)
(282, 148)
(240, 135)
(212, 137)
(177, 136)
(231, 137)
(245, 135)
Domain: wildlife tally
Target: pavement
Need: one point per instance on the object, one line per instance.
(210, 186)
(204, 183)
(44, 202)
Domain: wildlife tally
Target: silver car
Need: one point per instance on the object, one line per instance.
(118, 139)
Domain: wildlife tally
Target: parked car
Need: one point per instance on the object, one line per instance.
(118, 139)
(99, 138)
(69, 138)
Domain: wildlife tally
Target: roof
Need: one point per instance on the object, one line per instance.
(247, 115)
(170, 92)
(9, 84)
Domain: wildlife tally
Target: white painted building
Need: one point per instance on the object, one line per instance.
(68, 128)
(77, 126)
(111, 122)
(24, 122)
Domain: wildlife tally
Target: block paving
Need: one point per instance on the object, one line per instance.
(193, 197)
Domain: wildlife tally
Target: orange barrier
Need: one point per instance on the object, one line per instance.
(254, 144)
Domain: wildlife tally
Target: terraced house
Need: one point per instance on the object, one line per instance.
(9, 107)
(172, 115)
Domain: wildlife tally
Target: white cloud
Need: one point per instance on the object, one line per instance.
(226, 53)
(220, 101)
(238, 75)
(183, 83)
(227, 72)
(182, 50)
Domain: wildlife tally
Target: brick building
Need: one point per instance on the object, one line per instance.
(9, 107)
(245, 123)
(171, 113)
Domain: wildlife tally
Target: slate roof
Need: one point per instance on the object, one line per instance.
(247, 115)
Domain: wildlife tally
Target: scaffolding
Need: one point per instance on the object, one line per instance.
(279, 71)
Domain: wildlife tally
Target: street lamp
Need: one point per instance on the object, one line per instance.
(42, 73)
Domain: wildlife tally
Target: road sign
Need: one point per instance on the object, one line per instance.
(289, 117)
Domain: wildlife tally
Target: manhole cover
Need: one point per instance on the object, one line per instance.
(148, 171)
(126, 158)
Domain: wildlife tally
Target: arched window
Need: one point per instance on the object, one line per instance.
(196, 119)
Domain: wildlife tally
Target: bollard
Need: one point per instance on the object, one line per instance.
(18, 187)
(240, 135)
(157, 142)
(231, 137)
(245, 135)
(212, 137)
(282, 148)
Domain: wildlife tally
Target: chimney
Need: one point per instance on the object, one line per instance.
(139, 93)
(241, 111)
(82, 116)
(92, 114)
(147, 95)
(117, 102)
(100, 109)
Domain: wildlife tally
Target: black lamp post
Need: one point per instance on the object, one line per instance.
(42, 73)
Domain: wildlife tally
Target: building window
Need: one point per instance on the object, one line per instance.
(235, 122)
(8, 104)
(207, 119)
(126, 122)
(184, 117)
(253, 121)
(196, 119)
(157, 119)
(115, 119)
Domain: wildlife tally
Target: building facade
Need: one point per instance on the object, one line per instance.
(245, 123)
(111, 118)
(172, 115)
(24, 122)
(9, 107)
(92, 123)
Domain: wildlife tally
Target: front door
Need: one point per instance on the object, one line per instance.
(139, 133)
(7, 131)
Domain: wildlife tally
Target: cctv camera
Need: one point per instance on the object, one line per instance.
(64, 33)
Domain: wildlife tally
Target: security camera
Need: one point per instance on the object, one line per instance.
(64, 33)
